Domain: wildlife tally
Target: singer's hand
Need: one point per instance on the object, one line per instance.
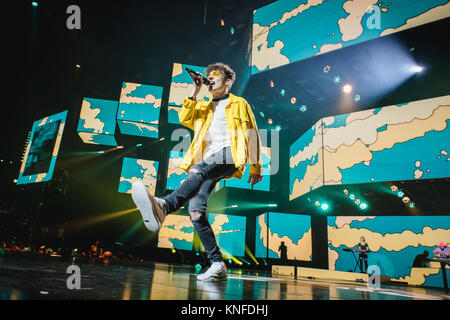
(197, 78)
(255, 178)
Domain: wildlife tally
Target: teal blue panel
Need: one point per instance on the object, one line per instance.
(231, 232)
(261, 244)
(172, 116)
(138, 129)
(44, 143)
(138, 169)
(98, 116)
(175, 175)
(140, 103)
(294, 32)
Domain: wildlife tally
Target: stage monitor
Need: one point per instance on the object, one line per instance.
(42, 149)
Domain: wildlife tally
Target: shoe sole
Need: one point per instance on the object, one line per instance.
(214, 279)
(141, 198)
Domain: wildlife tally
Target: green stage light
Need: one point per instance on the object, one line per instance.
(363, 206)
(272, 205)
(139, 145)
(34, 4)
(324, 206)
(352, 196)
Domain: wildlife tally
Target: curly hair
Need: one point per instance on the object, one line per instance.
(226, 69)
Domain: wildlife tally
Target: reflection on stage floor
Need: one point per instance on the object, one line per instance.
(25, 279)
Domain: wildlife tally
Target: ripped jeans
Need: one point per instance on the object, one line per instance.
(197, 188)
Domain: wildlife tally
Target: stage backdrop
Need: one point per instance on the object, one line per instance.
(400, 142)
(139, 108)
(177, 232)
(138, 170)
(289, 30)
(273, 228)
(42, 149)
(394, 241)
(97, 124)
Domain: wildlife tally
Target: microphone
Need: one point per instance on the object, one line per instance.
(194, 74)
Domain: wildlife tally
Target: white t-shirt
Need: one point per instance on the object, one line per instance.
(217, 137)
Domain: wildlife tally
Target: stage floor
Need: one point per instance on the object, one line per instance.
(32, 279)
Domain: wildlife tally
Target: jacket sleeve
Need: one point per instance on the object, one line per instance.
(187, 113)
(254, 144)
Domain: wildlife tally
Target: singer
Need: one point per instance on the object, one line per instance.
(226, 139)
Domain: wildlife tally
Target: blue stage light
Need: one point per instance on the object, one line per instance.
(34, 4)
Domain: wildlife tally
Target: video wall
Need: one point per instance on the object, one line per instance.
(177, 232)
(401, 142)
(283, 236)
(396, 244)
(286, 31)
(42, 149)
(142, 170)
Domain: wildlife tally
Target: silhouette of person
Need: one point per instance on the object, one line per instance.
(420, 261)
(364, 247)
(283, 251)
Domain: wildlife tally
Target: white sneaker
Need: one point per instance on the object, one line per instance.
(216, 272)
(152, 208)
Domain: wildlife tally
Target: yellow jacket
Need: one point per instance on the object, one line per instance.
(244, 136)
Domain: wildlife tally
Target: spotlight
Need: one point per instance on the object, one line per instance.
(303, 108)
(352, 196)
(394, 188)
(347, 88)
(261, 114)
(405, 199)
(271, 84)
(272, 205)
(119, 147)
(417, 69)
(346, 192)
(278, 128)
(363, 206)
(293, 99)
(282, 92)
(234, 206)
(317, 203)
(412, 205)
(34, 4)
(232, 30)
(222, 23)
(400, 194)
(269, 121)
(139, 145)
(324, 206)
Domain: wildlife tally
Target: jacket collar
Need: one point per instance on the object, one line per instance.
(232, 97)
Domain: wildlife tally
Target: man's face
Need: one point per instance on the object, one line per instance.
(217, 80)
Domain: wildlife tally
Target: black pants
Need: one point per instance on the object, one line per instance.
(363, 259)
(197, 188)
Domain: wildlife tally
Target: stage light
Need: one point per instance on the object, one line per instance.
(34, 4)
(282, 92)
(198, 267)
(412, 205)
(363, 206)
(77, 65)
(119, 147)
(394, 188)
(324, 206)
(232, 30)
(293, 100)
(101, 151)
(357, 98)
(173, 250)
(357, 201)
(346, 192)
(347, 88)
(303, 108)
(405, 199)
(222, 23)
(272, 205)
(352, 196)
(261, 114)
(269, 121)
(400, 194)
(326, 69)
(417, 69)
(139, 145)
(278, 128)
(271, 84)
(15, 181)
(234, 206)
(337, 79)
(317, 203)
